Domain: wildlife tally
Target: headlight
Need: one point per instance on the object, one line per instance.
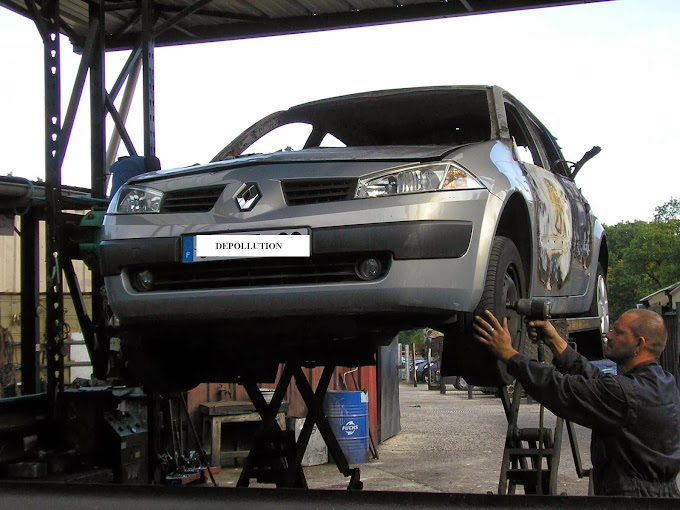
(136, 200)
(417, 179)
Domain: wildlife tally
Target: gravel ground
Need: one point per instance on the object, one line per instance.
(448, 443)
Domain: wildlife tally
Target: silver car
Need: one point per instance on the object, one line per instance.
(323, 230)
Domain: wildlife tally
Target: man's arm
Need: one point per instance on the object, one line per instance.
(595, 402)
(570, 363)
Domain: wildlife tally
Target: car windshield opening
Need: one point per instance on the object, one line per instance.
(432, 117)
(439, 116)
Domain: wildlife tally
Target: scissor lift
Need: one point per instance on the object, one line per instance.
(275, 456)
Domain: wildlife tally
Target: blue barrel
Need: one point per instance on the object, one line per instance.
(347, 414)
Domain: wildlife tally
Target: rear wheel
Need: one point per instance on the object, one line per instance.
(600, 305)
(505, 283)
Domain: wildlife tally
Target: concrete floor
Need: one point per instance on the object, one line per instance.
(447, 444)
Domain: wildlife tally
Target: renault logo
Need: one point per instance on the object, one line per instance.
(248, 196)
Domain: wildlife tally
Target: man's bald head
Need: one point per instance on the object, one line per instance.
(649, 325)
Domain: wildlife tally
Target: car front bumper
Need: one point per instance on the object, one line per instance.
(436, 267)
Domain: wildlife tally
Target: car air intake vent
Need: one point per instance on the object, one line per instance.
(191, 200)
(265, 272)
(316, 191)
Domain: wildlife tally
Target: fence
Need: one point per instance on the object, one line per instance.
(669, 358)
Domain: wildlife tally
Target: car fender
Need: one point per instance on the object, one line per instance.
(495, 167)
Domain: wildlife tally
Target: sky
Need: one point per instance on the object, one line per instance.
(602, 74)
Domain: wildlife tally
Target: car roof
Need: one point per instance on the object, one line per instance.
(378, 94)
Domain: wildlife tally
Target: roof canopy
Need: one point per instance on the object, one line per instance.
(193, 21)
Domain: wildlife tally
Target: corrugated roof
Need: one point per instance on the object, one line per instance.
(214, 20)
(661, 294)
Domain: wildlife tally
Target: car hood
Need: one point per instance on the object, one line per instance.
(361, 154)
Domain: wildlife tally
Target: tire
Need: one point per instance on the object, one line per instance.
(600, 305)
(505, 283)
(460, 384)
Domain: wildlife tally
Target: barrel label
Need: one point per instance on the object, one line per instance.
(350, 428)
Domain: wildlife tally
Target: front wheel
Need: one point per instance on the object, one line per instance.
(505, 283)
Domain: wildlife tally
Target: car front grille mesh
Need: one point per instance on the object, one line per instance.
(262, 272)
(191, 200)
(315, 191)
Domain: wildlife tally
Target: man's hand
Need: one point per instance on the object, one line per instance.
(553, 340)
(494, 336)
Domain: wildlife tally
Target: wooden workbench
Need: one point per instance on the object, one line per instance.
(217, 414)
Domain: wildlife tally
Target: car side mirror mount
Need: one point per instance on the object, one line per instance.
(586, 157)
(515, 151)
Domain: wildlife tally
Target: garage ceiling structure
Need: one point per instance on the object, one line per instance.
(189, 21)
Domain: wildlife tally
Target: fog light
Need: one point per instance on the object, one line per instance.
(144, 280)
(369, 269)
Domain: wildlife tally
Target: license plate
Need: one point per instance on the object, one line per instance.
(294, 242)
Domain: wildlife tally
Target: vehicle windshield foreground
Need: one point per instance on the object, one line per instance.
(323, 230)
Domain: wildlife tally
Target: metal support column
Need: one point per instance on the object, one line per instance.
(97, 102)
(54, 328)
(98, 97)
(148, 21)
(30, 295)
(147, 47)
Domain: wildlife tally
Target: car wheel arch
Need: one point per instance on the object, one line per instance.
(603, 257)
(515, 224)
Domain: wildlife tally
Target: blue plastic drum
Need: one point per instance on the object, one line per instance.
(347, 414)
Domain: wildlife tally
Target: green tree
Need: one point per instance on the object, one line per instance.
(643, 257)
(669, 211)
(410, 337)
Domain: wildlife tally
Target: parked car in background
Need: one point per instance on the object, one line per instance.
(420, 369)
(431, 371)
(323, 230)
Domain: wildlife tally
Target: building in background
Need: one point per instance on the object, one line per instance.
(10, 311)
(666, 302)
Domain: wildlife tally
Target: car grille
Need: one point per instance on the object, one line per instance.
(191, 200)
(262, 272)
(315, 191)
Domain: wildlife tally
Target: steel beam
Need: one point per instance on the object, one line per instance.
(98, 95)
(128, 67)
(54, 322)
(147, 45)
(120, 132)
(79, 306)
(37, 19)
(130, 72)
(97, 100)
(78, 86)
(30, 295)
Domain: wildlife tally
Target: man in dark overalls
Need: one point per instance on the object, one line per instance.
(634, 415)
